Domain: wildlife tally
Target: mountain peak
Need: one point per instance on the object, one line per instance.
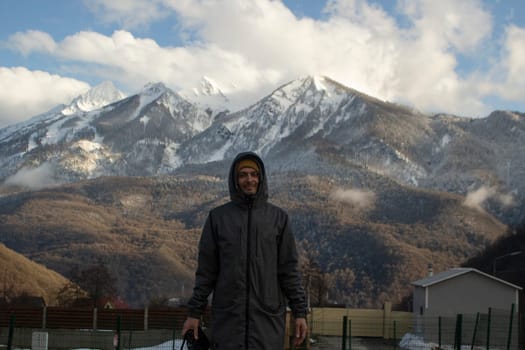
(207, 87)
(98, 96)
(208, 94)
(312, 85)
(319, 82)
(152, 89)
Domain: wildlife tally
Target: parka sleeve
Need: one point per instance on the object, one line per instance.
(289, 275)
(207, 270)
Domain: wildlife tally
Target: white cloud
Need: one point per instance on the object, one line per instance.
(362, 199)
(358, 44)
(514, 64)
(476, 199)
(250, 47)
(428, 51)
(25, 93)
(31, 40)
(128, 13)
(504, 79)
(461, 25)
(135, 61)
(33, 178)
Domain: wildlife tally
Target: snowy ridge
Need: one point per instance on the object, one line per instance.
(308, 102)
(208, 95)
(97, 97)
(151, 92)
(198, 120)
(306, 122)
(11, 131)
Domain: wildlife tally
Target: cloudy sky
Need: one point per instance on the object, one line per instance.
(463, 57)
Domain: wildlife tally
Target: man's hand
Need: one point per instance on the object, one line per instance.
(301, 329)
(191, 323)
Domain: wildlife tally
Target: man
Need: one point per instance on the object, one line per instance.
(248, 259)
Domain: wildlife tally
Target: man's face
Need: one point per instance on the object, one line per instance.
(248, 180)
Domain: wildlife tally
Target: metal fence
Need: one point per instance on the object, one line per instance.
(371, 323)
(70, 328)
(338, 329)
(496, 329)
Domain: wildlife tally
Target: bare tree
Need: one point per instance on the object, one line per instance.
(97, 281)
(69, 294)
(8, 288)
(318, 282)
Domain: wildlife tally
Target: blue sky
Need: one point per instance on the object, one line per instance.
(461, 57)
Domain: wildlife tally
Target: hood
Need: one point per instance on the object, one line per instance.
(236, 194)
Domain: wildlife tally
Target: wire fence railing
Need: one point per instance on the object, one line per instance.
(338, 329)
(83, 328)
(495, 329)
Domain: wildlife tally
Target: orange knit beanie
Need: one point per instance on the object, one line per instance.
(248, 163)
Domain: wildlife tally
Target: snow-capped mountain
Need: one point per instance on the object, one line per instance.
(99, 96)
(313, 125)
(136, 135)
(208, 96)
(305, 112)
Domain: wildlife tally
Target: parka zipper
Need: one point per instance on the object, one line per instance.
(248, 255)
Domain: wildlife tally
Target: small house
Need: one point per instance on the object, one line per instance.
(478, 297)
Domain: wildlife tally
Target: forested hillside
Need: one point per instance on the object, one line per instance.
(358, 247)
(21, 276)
(505, 258)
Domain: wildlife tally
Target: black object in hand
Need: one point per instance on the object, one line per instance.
(195, 344)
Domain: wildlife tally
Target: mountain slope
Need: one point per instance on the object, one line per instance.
(21, 275)
(110, 221)
(146, 231)
(376, 190)
(131, 136)
(308, 125)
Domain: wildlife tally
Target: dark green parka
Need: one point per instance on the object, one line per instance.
(248, 259)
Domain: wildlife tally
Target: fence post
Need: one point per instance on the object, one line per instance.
(395, 335)
(349, 334)
(12, 321)
(475, 331)
(510, 326)
(146, 315)
(44, 317)
(173, 336)
(345, 325)
(457, 338)
(439, 331)
(387, 315)
(310, 320)
(489, 316)
(130, 336)
(95, 319)
(119, 327)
